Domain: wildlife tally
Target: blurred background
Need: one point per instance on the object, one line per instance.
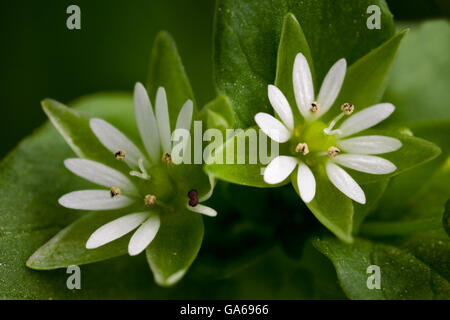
(41, 58)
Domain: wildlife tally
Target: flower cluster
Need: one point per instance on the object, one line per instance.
(147, 170)
(309, 142)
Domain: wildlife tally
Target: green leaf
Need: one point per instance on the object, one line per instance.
(407, 200)
(330, 206)
(75, 129)
(175, 247)
(366, 79)
(403, 275)
(374, 193)
(247, 36)
(68, 247)
(218, 114)
(166, 70)
(229, 165)
(419, 79)
(292, 42)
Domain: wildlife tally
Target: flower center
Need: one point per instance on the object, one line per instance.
(310, 138)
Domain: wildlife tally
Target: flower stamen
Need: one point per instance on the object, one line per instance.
(166, 158)
(193, 197)
(315, 107)
(120, 155)
(114, 191)
(143, 174)
(333, 152)
(303, 148)
(149, 200)
(347, 108)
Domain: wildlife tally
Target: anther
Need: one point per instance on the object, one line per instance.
(193, 197)
(166, 158)
(303, 148)
(347, 108)
(333, 152)
(149, 200)
(315, 107)
(114, 191)
(119, 155)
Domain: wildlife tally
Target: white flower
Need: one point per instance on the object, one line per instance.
(314, 143)
(122, 190)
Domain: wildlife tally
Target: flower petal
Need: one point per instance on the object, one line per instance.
(331, 86)
(365, 119)
(94, 200)
(306, 183)
(303, 85)
(100, 174)
(365, 163)
(272, 127)
(279, 169)
(281, 106)
(115, 229)
(146, 122)
(114, 140)
(184, 119)
(200, 208)
(212, 184)
(345, 183)
(144, 235)
(162, 118)
(369, 144)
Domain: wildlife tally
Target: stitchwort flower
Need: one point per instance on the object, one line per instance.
(149, 187)
(314, 143)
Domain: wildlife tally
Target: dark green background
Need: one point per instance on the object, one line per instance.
(41, 58)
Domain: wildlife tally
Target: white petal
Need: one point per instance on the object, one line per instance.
(345, 183)
(162, 118)
(115, 229)
(306, 183)
(279, 169)
(144, 235)
(114, 140)
(365, 163)
(365, 119)
(281, 106)
(184, 119)
(331, 86)
(94, 200)
(272, 127)
(303, 85)
(100, 174)
(200, 208)
(146, 122)
(212, 184)
(369, 144)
